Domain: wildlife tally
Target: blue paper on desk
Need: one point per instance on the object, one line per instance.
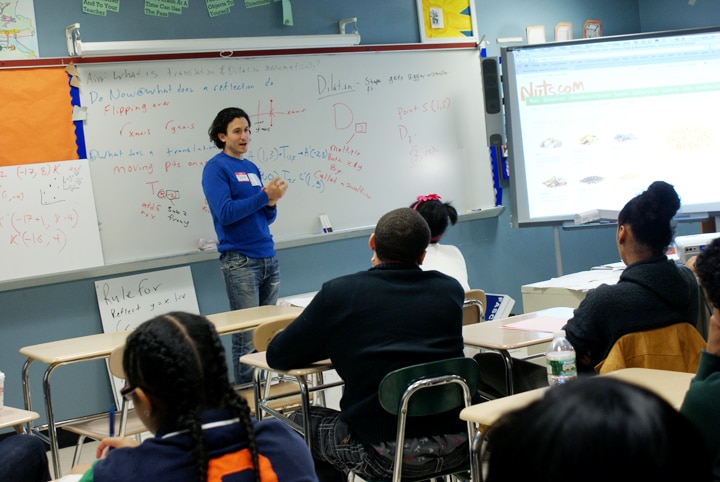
(498, 306)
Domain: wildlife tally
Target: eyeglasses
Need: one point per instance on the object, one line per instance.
(127, 392)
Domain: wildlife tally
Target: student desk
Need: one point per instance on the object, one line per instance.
(16, 418)
(301, 374)
(670, 385)
(491, 335)
(94, 347)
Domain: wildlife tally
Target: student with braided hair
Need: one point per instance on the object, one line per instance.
(177, 377)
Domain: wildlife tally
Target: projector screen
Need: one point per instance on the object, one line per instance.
(592, 123)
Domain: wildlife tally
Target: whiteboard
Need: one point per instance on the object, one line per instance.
(48, 222)
(354, 134)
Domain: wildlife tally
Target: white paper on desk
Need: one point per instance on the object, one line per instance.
(301, 302)
(549, 324)
(583, 281)
(617, 266)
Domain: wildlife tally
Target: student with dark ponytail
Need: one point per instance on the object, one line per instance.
(445, 258)
(652, 292)
(177, 378)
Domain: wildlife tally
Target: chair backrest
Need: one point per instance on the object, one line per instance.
(676, 347)
(265, 332)
(115, 362)
(427, 389)
(436, 398)
(474, 306)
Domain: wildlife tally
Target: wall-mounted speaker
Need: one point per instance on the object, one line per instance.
(492, 94)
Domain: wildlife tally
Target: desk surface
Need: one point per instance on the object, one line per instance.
(671, 386)
(12, 417)
(492, 335)
(74, 349)
(101, 344)
(258, 360)
(249, 318)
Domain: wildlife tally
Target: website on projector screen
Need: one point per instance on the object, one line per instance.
(592, 123)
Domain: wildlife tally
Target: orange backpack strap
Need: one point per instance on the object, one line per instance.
(221, 469)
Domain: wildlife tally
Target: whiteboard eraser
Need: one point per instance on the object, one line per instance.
(596, 215)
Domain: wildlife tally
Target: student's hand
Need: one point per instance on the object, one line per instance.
(713, 341)
(114, 442)
(690, 263)
(275, 189)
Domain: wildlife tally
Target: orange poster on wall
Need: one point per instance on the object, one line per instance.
(36, 122)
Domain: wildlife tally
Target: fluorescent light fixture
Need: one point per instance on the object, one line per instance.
(78, 48)
(508, 40)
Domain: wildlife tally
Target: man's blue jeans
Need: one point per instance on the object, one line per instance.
(249, 282)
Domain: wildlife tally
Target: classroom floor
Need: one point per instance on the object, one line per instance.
(87, 456)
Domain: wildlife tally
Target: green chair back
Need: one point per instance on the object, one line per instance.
(432, 400)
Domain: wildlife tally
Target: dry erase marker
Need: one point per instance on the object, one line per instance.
(325, 221)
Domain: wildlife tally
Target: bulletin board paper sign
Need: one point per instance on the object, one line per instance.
(549, 324)
(128, 301)
(48, 222)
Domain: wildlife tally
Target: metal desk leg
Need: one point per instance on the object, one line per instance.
(26, 389)
(319, 380)
(305, 401)
(508, 371)
(52, 430)
(476, 468)
(257, 387)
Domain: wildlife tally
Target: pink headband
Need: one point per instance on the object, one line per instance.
(426, 198)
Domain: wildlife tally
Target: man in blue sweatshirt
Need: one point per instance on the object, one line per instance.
(242, 210)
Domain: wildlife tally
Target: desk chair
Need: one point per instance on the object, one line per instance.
(305, 388)
(97, 428)
(676, 347)
(474, 307)
(428, 389)
(274, 398)
(275, 386)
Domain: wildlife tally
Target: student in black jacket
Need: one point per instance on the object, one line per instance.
(369, 324)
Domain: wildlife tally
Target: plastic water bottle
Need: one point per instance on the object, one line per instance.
(560, 357)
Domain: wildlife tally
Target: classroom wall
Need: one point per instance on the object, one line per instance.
(500, 258)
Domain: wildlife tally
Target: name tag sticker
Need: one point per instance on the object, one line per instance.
(254, 180)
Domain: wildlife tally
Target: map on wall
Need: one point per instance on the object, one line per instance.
(18, 35)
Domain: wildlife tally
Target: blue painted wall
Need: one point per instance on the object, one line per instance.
(500, 259)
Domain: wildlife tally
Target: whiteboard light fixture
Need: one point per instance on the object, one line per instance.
(78, 48)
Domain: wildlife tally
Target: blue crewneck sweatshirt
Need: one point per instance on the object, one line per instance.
(234, 191)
